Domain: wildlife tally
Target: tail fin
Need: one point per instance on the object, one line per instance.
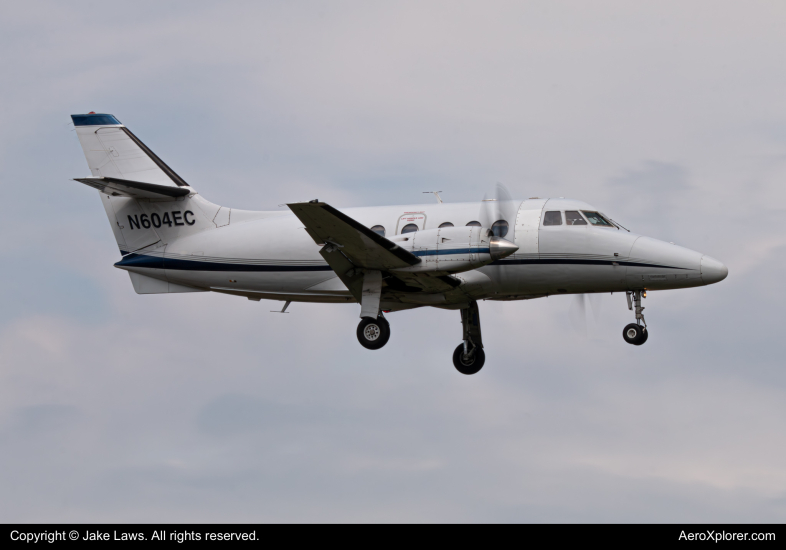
(125, 169)
(113, 151)
(148, 205)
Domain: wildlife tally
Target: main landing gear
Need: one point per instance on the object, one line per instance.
(469, 356)
(373, 330)
(373, 333)
(635, 333)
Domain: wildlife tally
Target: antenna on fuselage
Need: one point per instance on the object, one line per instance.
(284, 309)
(436, 194)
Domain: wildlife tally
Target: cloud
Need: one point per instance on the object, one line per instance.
(115, 406)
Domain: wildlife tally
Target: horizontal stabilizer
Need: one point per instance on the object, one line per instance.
(357, 242)
(135, 189)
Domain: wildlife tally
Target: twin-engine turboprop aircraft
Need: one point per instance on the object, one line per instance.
(385, 258)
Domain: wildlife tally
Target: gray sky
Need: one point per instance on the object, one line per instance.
(670, 116)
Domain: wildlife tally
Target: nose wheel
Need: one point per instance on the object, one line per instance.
(636, 333)
(373, 333)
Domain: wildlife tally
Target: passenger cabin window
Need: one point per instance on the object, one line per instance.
(572, 217)
(596, 219)
(499, 228)
(409, 228)
(553, 218)
(446, 224)
(379, 230)
(473, 224)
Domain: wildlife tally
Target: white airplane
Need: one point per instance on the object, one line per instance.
(386, 258)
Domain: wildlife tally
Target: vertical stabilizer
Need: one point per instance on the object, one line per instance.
(113, 151)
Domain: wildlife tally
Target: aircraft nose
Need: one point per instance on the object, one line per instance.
(499, 248)
(712, 271)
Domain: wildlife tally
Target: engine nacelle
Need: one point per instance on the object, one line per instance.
(453, 249)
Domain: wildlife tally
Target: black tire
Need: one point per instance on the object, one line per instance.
(373, 333)
(644, 335)
(634, 334)
(472, 367)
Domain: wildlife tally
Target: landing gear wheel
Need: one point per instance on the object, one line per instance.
(373, 333)
(471, 364)
(635, 334)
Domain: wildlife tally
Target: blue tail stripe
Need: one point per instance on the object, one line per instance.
(94, 120)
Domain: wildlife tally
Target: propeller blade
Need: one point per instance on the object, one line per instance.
(595, 301)
(578, 313)
(506, 209)
(500, 208)
(486, 214)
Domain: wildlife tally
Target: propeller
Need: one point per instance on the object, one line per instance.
(498, 212)
(578, 311)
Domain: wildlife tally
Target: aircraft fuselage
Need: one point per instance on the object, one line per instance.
(269, 255)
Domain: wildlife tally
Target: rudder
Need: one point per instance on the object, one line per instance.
(112, 150)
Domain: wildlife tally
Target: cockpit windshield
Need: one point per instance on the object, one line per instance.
(596, 219)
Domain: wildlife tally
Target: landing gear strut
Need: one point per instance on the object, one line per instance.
(373, 333)
(635, 333)
(469, 356)
(373, 330)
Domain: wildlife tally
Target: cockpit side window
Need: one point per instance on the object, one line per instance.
(552, 218)
(597, 219)
(572, 217)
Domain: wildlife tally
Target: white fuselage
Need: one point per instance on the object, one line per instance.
(269, 255)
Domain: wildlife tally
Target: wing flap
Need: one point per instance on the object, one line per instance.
(422, 282)
(351, 277)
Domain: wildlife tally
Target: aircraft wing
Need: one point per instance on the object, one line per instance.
(364, 248)
(353, 245)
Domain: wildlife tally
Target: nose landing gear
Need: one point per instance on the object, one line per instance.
(469, 357)
(635, 333)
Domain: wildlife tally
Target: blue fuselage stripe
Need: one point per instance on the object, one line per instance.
(451, 251)
(566, 261)
(141, 260)
(154, 262)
